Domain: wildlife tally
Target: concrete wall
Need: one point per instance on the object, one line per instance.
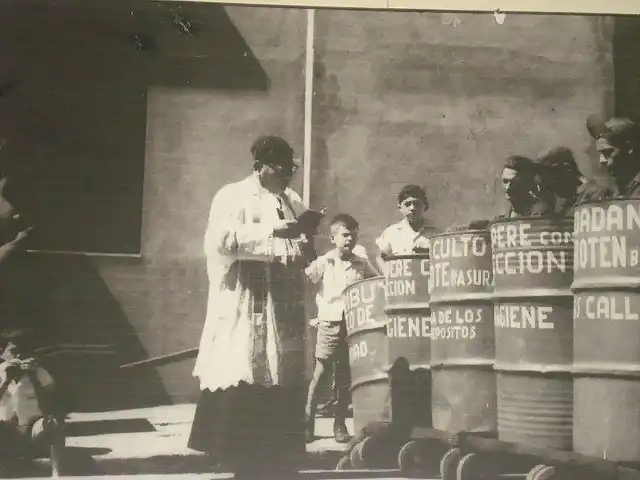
(192, 107)
(398, 97)
(441, 100)
(198, 140)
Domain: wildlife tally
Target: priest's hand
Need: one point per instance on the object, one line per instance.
(287, 229)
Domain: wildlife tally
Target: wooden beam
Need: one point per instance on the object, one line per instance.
(164, 359)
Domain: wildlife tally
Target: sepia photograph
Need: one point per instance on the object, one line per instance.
(319, 242)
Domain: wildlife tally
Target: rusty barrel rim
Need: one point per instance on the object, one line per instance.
(408, 256)
(486, 297)
(463, 362)
(532, 293)
(407, 306)
(608, 369)
(461, 232)
(369, 379)
(364, 280)
(539, 219)
(533, 368)
(607, 200)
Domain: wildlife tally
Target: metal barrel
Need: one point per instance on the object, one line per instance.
(462, 341)
(368, 351)
(409, 329)
(533, 270)
(606, 326)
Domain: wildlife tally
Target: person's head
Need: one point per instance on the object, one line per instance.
(616, 141)
(344, 232)
(273, 160)
(518, 178)
(16, 344)
(412, 202)
(559, 172)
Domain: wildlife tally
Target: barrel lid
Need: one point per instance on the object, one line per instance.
(541, 219)
(424, 256)
(530, 293)
(458, 233)
(607, 201)
(460, 297)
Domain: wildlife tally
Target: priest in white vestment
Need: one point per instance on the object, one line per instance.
(251, 362)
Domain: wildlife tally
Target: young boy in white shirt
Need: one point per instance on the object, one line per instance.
(411, 234)
(333, 272)
(30, 423)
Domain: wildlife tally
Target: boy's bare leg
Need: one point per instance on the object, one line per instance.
(49, 432)
(343, 382)
(319, 374)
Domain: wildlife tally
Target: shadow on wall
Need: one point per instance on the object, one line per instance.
(65, 299)
(215, 55)
(328, 114)
(626, 41)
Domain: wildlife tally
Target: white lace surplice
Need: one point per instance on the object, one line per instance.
(254, 328)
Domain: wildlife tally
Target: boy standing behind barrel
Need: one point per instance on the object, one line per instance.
(333, 272)
(410, 235)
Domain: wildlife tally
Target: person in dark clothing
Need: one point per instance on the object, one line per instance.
(12, 229)
(522, 188)
(562, 179)
(521, 185)
(617, 143)
(251, 361)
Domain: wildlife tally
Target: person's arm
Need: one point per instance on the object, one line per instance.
(228, 232)
(381, 256)
(370, 269)
(381, 250)
(9, 247)
(46, 391)
(4, 385)
(592, 191)
(9, 371)
(315, 271)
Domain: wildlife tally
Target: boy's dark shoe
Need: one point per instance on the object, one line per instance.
(340, 433)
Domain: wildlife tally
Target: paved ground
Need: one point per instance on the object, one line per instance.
(153, 442)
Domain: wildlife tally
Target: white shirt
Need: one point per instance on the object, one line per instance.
(20, 401)
(400, 239)
(333, 275)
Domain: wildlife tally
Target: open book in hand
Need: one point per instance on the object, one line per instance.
(309, 220)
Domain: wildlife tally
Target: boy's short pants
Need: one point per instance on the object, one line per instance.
(331, 341)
